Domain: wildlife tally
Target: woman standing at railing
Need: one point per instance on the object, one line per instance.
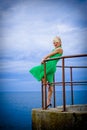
(38, 71)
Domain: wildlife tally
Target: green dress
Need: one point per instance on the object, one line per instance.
(38, 71)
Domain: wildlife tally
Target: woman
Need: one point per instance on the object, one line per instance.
(38, 71)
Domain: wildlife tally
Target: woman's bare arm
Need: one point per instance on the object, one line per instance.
(59, 51)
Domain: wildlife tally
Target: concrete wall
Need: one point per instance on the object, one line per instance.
(55, 119)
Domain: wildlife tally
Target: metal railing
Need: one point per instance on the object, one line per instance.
(63, 83)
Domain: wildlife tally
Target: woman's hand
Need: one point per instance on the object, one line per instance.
(42, 61)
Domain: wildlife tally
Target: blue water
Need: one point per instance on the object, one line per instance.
(16, 107)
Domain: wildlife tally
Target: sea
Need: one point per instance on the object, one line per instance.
(16, 107)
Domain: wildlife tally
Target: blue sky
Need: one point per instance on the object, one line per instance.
(27, 30)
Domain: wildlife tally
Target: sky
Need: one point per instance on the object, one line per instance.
(27, 29)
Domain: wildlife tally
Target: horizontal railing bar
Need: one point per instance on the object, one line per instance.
(69, 83)
(71, 56)
(72, 66)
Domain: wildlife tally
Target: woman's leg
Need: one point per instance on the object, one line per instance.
(50, 91)
(50, 88)
(43, 81)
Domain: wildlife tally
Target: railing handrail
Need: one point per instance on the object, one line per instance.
(63, 57)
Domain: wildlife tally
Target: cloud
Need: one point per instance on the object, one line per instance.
(16, 66)
(28, 29)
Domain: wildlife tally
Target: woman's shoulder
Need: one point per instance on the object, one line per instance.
(59, 49)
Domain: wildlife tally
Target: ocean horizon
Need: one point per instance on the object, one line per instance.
(16, 107)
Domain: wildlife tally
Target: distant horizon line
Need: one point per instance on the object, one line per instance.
(40, 91)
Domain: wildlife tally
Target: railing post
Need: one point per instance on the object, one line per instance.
(54, 97)
(71, 85)
(63, 83)
(44, 88)
(42, 96)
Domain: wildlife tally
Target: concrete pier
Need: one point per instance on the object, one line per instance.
(74, 117)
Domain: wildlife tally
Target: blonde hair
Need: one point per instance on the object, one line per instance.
(57, 39)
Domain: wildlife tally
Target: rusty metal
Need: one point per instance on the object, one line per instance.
(71, 56)
(63, 83)
(71, 84)
(45, 88)
(42, 96)
(72, 66)
(54, 95)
